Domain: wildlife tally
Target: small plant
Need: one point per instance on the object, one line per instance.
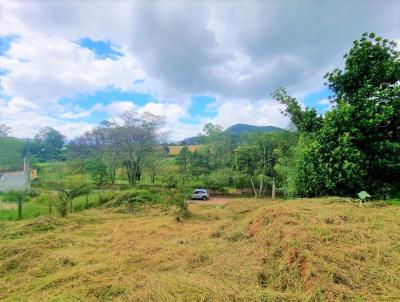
(180, 199)
(67, 191)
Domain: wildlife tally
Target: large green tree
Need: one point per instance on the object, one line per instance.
(356, 145)
(48, 144)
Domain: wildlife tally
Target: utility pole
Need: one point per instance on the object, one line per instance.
(27, 167)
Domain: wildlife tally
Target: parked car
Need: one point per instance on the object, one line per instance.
(200, 194)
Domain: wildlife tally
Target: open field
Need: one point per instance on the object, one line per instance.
(244, 250)
(174, 150)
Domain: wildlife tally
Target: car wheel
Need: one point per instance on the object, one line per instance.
(204, 198)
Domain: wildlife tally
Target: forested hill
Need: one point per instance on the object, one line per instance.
(242, 128)
(236, 129)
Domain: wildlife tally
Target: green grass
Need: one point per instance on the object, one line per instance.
(394, 202)
(9, 210)
(39, 206)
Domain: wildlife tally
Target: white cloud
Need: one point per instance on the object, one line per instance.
(255, 113)
(115, 108)
(45, 69)
(25, 119)
(180, 50)
(171, 112)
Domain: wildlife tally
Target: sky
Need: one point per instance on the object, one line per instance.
(72, 64)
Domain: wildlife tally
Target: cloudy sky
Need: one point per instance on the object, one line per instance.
(71, 64)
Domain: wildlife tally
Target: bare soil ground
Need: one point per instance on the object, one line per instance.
(216, 200)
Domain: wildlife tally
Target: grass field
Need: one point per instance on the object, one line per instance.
(174, 150)
(247, 250)
(39, 206)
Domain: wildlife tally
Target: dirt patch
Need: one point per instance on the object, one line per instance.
(214, 200)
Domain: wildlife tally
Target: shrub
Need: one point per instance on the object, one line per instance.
(177, 197)
(134, 198)
(219, 179)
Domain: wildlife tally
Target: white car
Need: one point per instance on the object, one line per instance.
(200, 194)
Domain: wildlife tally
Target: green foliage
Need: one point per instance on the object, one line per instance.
(371, 65)
(47, 145)
(182, 159)
(10, 153)
(97, 170)
(304, 120)
(178, 196)
(199, 163)
(68, 189)
(356, 145)
(219, 179)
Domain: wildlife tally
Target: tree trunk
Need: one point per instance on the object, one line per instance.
(131, 172)
(254, 188)
(261, 187)
(273, 189)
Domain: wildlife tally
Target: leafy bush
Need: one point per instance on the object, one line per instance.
(97, 170)
(219, 179)
(177, 197)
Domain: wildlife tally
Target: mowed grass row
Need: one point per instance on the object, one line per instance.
(247, 250)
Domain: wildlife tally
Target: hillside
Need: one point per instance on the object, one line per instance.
(235, 130)
(10, 153)
(303, 250)
(244, 128)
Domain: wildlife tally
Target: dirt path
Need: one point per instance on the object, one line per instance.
(214, 200)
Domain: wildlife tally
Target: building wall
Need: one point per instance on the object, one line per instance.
(14, 181)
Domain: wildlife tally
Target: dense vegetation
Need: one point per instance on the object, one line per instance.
(235, 130)
(355, 145)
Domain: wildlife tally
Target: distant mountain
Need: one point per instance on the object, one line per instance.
(236, 130)
(242, 128)
(194, 140)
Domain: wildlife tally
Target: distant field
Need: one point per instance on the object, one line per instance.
(174, 150)
(246, 250)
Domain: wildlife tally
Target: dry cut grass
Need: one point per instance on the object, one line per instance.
(303, 250)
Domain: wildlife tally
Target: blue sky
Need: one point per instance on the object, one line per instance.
(193, 63)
